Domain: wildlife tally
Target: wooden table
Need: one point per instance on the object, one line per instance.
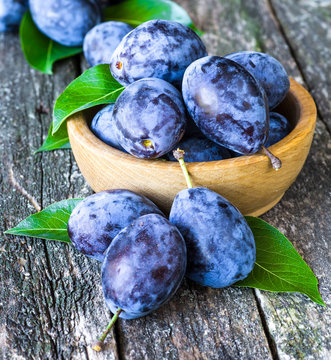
(51, 303)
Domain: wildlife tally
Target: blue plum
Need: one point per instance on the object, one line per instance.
(11, 13)
(198, 148)
(220, 244)
(102, 40)
(157, 48)
(97, 219)
(144, 266)
(279, 127)
(268, 71)
(65, 21)
(227, 104)
(103, 126)
(149, 118)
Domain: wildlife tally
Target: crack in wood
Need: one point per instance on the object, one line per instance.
(21, 189)
(271, 342)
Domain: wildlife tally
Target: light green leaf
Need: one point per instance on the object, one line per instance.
(50, 223)
(95, 86)
(135, 12)
(278, 265)
(59, 140)
(40, 51)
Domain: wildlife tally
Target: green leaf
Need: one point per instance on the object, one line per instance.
(278, 266)
(135, 12)
(50, 223)
(40, 51)
(59, 140)
(95, 86)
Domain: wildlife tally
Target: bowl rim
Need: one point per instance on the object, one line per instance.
(77, 124)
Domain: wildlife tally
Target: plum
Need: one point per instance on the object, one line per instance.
(101, 41)
(268, 71)
(227, 104)
(157, 48)
(65, 21)
(103, 126)
(96, 220)
(11, 13)
(220, 244)
(279, 127)
(149, 118)
(143, 267)
(198, 148)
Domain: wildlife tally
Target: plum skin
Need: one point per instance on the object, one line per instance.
(11, 14)
(143, 267)
(279, 127)
(220, 244)
(227, 104)
(268, 71)
(102, 126)
(101, 41)
(199, 149)
(149, 118)
(97, 219)
(157, 48)
(63, 21)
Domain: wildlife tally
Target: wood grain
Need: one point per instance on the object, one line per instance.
(308, 35)
(51, 302)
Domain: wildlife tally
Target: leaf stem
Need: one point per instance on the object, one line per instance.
(99, 344)
(179, 155)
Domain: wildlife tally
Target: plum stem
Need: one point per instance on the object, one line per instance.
(99, 344)
(275, 162)
(179, 155)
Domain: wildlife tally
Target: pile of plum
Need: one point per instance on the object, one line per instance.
(145, 256)
(177, 96)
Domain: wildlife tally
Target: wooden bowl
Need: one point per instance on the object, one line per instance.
(249, 182)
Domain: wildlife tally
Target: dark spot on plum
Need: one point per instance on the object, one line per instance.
(160, 273)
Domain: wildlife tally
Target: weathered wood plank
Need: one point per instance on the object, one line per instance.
(198, 323)
(51, 300)
(307, 25)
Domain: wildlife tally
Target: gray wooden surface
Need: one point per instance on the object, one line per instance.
(51, 304)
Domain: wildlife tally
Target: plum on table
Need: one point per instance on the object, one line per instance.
(11, 13)
(220, 244)
(97, 219)
(268, 71)
(157, 48)
(65, 21)
(143, 267)
(149, 118)
(101, 41)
